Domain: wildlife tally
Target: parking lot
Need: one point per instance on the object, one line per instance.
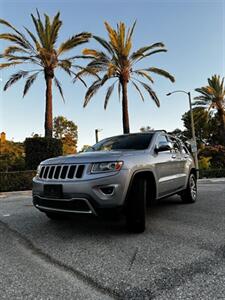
(180, 256)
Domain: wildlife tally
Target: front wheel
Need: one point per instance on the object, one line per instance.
(136, 206)
(189, 195)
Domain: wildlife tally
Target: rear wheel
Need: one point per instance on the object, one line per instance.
(136, 206)
(54, 216)
(190, 194)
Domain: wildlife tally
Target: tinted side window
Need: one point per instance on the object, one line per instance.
(161, 139)
(176, 144)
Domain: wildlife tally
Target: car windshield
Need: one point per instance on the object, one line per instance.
(124, 142)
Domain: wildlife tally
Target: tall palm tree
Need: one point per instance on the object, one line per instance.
(40, 49)
(213, 95)
(117, 62)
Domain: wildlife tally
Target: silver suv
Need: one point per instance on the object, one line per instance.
(121, 173)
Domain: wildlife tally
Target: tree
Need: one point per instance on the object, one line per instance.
(66, 131)
(117, 62)
(201, 123)
(213, 96)
(180, 134)
(146, 128)
(85, 148)
(40, 49)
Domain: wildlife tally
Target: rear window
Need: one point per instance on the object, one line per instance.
(124, 142)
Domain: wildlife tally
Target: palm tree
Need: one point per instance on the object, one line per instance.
(39, 49)
(213, 95)
(117, 62)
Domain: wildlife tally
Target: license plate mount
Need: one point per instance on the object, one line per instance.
(53, 190)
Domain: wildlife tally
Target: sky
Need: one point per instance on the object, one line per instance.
(192, 30)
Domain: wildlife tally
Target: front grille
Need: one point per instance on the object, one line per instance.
(62, 172)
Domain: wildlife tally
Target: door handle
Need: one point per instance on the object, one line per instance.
(174, 156)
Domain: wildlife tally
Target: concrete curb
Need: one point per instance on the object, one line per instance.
(15, 194)
(212, 180)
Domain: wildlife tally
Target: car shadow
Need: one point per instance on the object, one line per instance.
(89, 224)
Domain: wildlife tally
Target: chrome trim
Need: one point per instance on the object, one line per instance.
(172, 177)
(91, 211)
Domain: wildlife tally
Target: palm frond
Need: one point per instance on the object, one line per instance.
(39, 29)
(14, 78)
(151, 93)
(203, 99)
(91, 91)
(143, 73)
(104, 44)
(74, 41)
(55, 26)
(162, 73)
(200, 103)
(58, 85)
(4, 22)
(29, 45)
(139, 91)
(79, 57)
(140, 52)
(108, 95)
(86, 71)
(34, 39)
(132, 30)
(13, 49)
(15, 39)
(29, 82)
(48, 32)
(150, 53)
(11, 64)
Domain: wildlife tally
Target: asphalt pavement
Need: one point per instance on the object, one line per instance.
(181, 255)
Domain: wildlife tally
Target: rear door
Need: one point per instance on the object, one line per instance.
(166, 168)
(179, 171)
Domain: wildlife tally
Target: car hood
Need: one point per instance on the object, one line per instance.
(89, 157)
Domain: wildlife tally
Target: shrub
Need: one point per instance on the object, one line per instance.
(217, 154)
(39, 148)
(204, 162)
(11, 156)
(16, 181)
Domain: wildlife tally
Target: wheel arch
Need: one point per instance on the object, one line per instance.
(151, 182)
(194, 171)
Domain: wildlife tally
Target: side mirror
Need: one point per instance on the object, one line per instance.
(163, 146)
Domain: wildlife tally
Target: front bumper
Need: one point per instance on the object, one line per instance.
(83, 196)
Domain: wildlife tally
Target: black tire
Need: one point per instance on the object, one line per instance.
(136, 206)
(54, 216)
(189, 195)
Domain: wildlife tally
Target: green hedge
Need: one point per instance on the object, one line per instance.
(16, 181)
(38, 149)
(212, 173)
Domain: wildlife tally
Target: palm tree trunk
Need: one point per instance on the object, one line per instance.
(126, 126)
(48, 107)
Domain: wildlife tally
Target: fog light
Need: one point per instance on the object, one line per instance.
(107, 190)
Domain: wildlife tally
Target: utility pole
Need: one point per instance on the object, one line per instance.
(194, 143)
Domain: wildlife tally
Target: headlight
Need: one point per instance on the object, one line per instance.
(38, 170)
(110, 166)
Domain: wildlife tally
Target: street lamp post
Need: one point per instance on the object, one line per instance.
(194, 146)
(96, 134)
